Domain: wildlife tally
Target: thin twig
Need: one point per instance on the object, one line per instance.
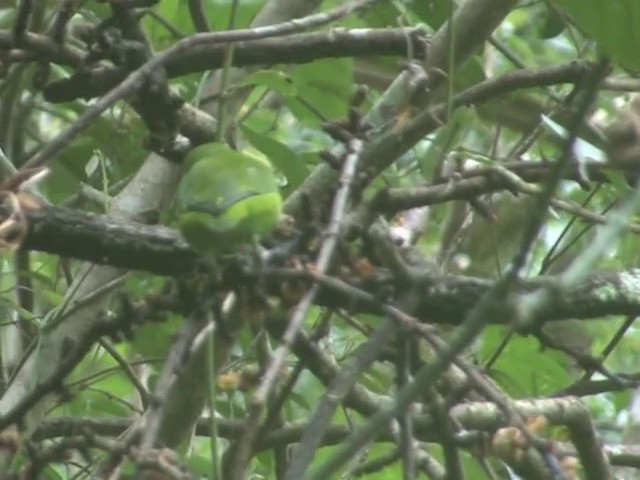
(323, 261)
(198, 15)
(128, 371)
(226, 76)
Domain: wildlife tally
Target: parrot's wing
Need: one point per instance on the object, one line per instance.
(217, 209)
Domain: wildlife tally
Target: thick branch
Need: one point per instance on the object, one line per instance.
(445, 299)
(106, 240)
(41, 47)
(294, 49)
(449, 298)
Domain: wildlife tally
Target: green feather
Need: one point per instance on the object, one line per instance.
(226, 198)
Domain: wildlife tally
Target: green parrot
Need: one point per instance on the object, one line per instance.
(226, 198)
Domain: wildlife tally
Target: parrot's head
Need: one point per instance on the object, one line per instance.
(207, 151)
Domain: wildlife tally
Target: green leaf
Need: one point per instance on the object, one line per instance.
(433, 12)
(619, 181)
(52, 473)
(53, 297)
(153, 339)
(280, 156)
(200, 464)
(614, 24)
(273, 79)
(444, 138)
(324, 86)
(97, 402)
(522, 368)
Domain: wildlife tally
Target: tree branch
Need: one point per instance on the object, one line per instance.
(445, 299)
(301, 48)
(107, 240)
